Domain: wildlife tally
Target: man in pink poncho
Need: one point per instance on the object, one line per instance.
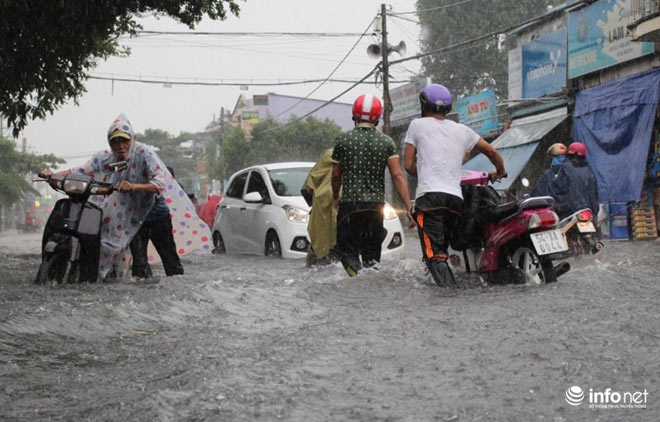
(144, 183)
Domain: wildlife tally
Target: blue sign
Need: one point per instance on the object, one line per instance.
(479, 112)
(544, 65)
(598, 37)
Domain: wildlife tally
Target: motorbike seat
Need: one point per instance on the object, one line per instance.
(503, 211)
(508, 210)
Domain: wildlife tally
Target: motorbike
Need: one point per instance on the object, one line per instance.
(71, 238)
(581, 234)
(506, 243)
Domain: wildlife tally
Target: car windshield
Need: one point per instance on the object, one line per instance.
(288, 182)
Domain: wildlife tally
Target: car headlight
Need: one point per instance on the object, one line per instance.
(75, 186)
(389, 213)
(296, 215)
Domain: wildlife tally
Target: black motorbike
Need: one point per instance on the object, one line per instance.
(72, 236)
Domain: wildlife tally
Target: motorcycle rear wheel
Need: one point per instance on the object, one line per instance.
(536, 269)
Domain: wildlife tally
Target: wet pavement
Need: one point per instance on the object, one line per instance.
(241, 338)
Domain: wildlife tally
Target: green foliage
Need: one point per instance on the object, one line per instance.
(479, 66)
(14, 166)
(183, 160)
(47, 47)
(272, 142)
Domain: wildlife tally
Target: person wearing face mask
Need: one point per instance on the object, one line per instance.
(557, 154)
(145, 189)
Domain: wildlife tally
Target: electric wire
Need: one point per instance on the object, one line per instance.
(269, 34)
(432, 8)
(327, 102)
(331, 73)
(251, 83)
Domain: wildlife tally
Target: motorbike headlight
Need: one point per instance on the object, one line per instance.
(296, 215)
(389, 213)
(75, 186)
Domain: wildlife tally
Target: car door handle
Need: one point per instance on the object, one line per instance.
(243, 208)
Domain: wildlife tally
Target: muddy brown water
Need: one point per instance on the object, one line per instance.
(241, 338)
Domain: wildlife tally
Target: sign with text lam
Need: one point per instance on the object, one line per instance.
(598, 37)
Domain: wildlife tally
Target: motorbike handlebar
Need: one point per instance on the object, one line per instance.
(490, 177)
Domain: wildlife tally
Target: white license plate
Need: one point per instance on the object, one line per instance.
(549, 241)
(586, 227)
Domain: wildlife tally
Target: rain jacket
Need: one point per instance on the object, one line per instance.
(543, 185)
(575, 188)
(317, 191)
(124, 212)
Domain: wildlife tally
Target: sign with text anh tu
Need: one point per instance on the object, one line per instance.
(479, 112)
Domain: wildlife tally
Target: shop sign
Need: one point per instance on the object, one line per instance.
(405, 101)
(479, 112)
(250, 116)
(598, 37)
(544, 65)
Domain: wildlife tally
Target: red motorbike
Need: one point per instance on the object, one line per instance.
(506, 243)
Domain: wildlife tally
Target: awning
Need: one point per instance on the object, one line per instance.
(517, 144)
(530, 129)
(515, 159)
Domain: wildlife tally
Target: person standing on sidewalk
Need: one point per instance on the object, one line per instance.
(360, 157)
(435, 148)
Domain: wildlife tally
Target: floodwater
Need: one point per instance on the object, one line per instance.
(241, 338)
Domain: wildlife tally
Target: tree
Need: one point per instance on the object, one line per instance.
(47, 47)
(14, 165)
(272, 142)
(479, 66)
(183, 160)
(233, 154)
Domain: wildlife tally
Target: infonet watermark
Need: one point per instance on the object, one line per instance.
(606, 399)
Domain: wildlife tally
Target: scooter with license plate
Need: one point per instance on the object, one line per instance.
(581, 234)
(511, 242)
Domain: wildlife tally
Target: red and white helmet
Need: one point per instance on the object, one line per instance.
(367, 107)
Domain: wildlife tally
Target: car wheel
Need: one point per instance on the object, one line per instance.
(536, 269)
(218, 243)
(273, 247)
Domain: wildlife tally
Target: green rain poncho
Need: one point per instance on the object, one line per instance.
(322, 226)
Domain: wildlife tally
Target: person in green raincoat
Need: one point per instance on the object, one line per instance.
(322, 227)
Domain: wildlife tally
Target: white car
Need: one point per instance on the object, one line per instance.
(264, 213)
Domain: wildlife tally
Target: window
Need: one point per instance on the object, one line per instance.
(288, 182)
(235, 190)
(257, 184)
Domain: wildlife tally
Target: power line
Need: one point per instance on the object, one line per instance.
(202, 83)
(327, 102)
(331, 73)
(268, 34)
(432, 8)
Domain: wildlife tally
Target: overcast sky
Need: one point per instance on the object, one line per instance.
(76, 132)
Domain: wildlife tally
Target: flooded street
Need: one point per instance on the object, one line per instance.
(241, 338)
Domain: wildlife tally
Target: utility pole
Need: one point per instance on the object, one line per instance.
(222, 130)
(385, 51)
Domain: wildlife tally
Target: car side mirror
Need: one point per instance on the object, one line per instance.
(253, 198)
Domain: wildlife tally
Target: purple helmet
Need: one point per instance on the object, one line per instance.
(437, 98)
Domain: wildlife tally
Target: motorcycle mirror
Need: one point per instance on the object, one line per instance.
(525, 182)
(118, 166)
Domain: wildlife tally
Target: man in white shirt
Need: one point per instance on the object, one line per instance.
(435, 147)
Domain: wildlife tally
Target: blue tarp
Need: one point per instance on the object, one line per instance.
(615, 121)
(515, 159)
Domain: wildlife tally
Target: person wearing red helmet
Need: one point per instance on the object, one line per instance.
(435, 148)
(575, 186)
(360, 157)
